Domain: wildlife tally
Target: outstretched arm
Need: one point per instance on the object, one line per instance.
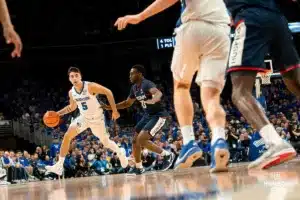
(69, 108)
(155, 8)
(122, 105)
(4, 14)
(8, 30)
(95, 88)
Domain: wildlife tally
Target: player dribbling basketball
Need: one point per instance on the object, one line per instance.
(83, 95)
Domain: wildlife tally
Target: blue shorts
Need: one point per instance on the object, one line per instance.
(151, 123)
(259, 31)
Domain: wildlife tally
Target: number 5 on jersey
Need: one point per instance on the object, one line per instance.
(84, 106)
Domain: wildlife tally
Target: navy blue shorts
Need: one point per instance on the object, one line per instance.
(258, 32)
(151, 123)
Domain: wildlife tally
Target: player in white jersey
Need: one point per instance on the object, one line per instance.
(202, 45)
(83, 95)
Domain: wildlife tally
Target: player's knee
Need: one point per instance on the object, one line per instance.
(141, 140)
(181, 85)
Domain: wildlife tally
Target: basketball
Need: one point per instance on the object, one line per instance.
(51, 119)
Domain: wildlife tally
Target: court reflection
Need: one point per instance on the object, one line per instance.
(195, 183)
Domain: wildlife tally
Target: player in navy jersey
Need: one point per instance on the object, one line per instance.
(154, 118)
(260, 28)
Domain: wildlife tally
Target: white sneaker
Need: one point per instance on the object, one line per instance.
(123, 158)
(4, 183)
(58, 168)
(275, 155)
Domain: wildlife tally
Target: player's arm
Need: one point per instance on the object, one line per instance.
(69, 108)
(4, 15)
(95, 88)
(123, 104)
(156, 96)
(155, 8)
(8, 30)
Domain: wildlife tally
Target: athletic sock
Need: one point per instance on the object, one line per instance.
(165, 153)
(187, 134)
(61, 160)
(217, 133)
(270, 135)
(139, 165)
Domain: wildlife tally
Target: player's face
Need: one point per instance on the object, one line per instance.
(134, 75)
(75, 78)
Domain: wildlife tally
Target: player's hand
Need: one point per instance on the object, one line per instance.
(122, 22)
(115, 115)
(150, 101)
(12, 37)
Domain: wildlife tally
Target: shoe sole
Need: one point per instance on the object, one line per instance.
(189, 161)
(222, 159)
(281, 158)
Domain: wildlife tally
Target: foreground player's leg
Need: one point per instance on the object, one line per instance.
(292, 81)
(144, 140)
(215, 116)
(279, 151)
(64, 149)
(190, 151)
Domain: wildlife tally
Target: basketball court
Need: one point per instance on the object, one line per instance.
(279, 183)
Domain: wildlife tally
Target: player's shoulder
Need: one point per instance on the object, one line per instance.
(148, 82)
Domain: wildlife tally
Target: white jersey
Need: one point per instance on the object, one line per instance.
(212, 11)
(87, 103)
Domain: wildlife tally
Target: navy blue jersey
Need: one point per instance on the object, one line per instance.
(236, 5)
(142, 94)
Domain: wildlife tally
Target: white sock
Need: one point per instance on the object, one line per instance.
(61, 160)
(187, 134)
(217, 133)
(165, 153)
(270, 135)
(139, 165)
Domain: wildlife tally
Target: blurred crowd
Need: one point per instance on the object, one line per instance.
(88, 157)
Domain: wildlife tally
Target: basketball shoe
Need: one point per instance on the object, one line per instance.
(58, 168)
(275, 155)
(188, 155)
(219, 156)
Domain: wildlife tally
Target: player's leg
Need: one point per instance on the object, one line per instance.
(246, 58)
(154, 125)
(286, 57)
(136, 147)
(211, 79)
(98, 129)
(184, 65)
(76, 127)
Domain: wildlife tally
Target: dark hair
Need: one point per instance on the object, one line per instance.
(74, 69)
(140, 69)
